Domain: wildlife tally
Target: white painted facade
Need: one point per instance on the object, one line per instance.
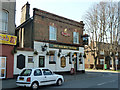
(54, 67)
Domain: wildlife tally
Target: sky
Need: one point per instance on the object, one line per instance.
(71, 9)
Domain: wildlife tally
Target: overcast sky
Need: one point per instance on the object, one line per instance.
(71, 9)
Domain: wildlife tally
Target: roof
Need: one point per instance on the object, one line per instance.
(24, 23)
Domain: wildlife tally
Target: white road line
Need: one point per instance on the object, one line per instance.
(105, 82)
(101, 84)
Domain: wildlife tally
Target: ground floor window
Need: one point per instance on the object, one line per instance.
(30, 59)
(2, 67)
(52, 57)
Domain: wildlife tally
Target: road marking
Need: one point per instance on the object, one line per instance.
(105, 82)
(101, 84)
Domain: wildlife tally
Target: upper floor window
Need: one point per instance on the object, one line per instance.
(52, 33)
(75, 37)
(3, 21)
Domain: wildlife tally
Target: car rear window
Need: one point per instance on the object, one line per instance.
(26, 72)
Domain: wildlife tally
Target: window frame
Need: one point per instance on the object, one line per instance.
(29, 58)
(47, 70)
(3, 68)
(52, 33)
(76, 37)
(54, 56)
(39, 74)
(4, 22)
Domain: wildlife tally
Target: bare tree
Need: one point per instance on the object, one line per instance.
(101, 23)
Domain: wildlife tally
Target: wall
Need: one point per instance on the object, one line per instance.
(43, 20)
(56, 67)
(26, 54)
(5, 51)
(11, 8)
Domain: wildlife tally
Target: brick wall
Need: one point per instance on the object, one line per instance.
(42, 20)
(5, 51)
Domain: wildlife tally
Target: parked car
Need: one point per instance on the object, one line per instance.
(37, 77)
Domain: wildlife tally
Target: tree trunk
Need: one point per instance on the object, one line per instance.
(113, 68)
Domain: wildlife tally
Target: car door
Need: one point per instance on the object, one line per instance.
(49, 76)
(38, 76)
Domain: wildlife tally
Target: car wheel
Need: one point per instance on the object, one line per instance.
(35, 86)
(59, 82)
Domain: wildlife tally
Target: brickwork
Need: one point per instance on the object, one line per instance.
(6, 51)
(42, 21)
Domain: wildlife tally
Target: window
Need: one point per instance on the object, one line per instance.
(52, 57)
(2, 67)
(47, 72)
(75, 37)
(26, 72)
(30, 59)
(37, 72)
(4, 21)
(52, 33)
(102, 61)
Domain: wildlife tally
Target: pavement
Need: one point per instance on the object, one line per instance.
(107, 71)
(11, 83)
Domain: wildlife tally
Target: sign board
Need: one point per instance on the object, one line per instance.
(8, 39)
(63, 62)
(63, 47)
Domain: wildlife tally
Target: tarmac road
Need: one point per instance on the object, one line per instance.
(87, 81)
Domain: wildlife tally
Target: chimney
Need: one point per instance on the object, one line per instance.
(25, 12)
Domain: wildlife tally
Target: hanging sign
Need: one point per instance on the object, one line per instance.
(63, 62)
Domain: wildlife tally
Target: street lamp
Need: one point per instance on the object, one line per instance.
(85, 39)
(44, 48)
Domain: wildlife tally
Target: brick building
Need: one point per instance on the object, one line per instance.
(7, 38)
(104, 57)
(50, 41)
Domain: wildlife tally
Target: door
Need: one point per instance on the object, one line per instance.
(2, 67)
(75, 64)
(39, 76)
(41, 61)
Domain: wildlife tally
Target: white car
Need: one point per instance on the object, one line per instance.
(39, 76)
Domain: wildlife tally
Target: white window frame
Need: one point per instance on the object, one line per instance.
(76, 37)
(2, 67)
(30, 57)
(4, 22)
(52, 33)
(53, 56)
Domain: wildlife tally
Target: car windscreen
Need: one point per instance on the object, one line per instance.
(26, 72)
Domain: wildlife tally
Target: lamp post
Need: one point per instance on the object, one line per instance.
(44, 48)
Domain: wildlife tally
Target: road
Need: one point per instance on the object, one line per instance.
(89, 81)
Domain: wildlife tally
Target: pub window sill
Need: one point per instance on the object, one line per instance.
(52, 62)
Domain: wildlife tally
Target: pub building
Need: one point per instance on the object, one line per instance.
(47, 40)
(7, 39)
